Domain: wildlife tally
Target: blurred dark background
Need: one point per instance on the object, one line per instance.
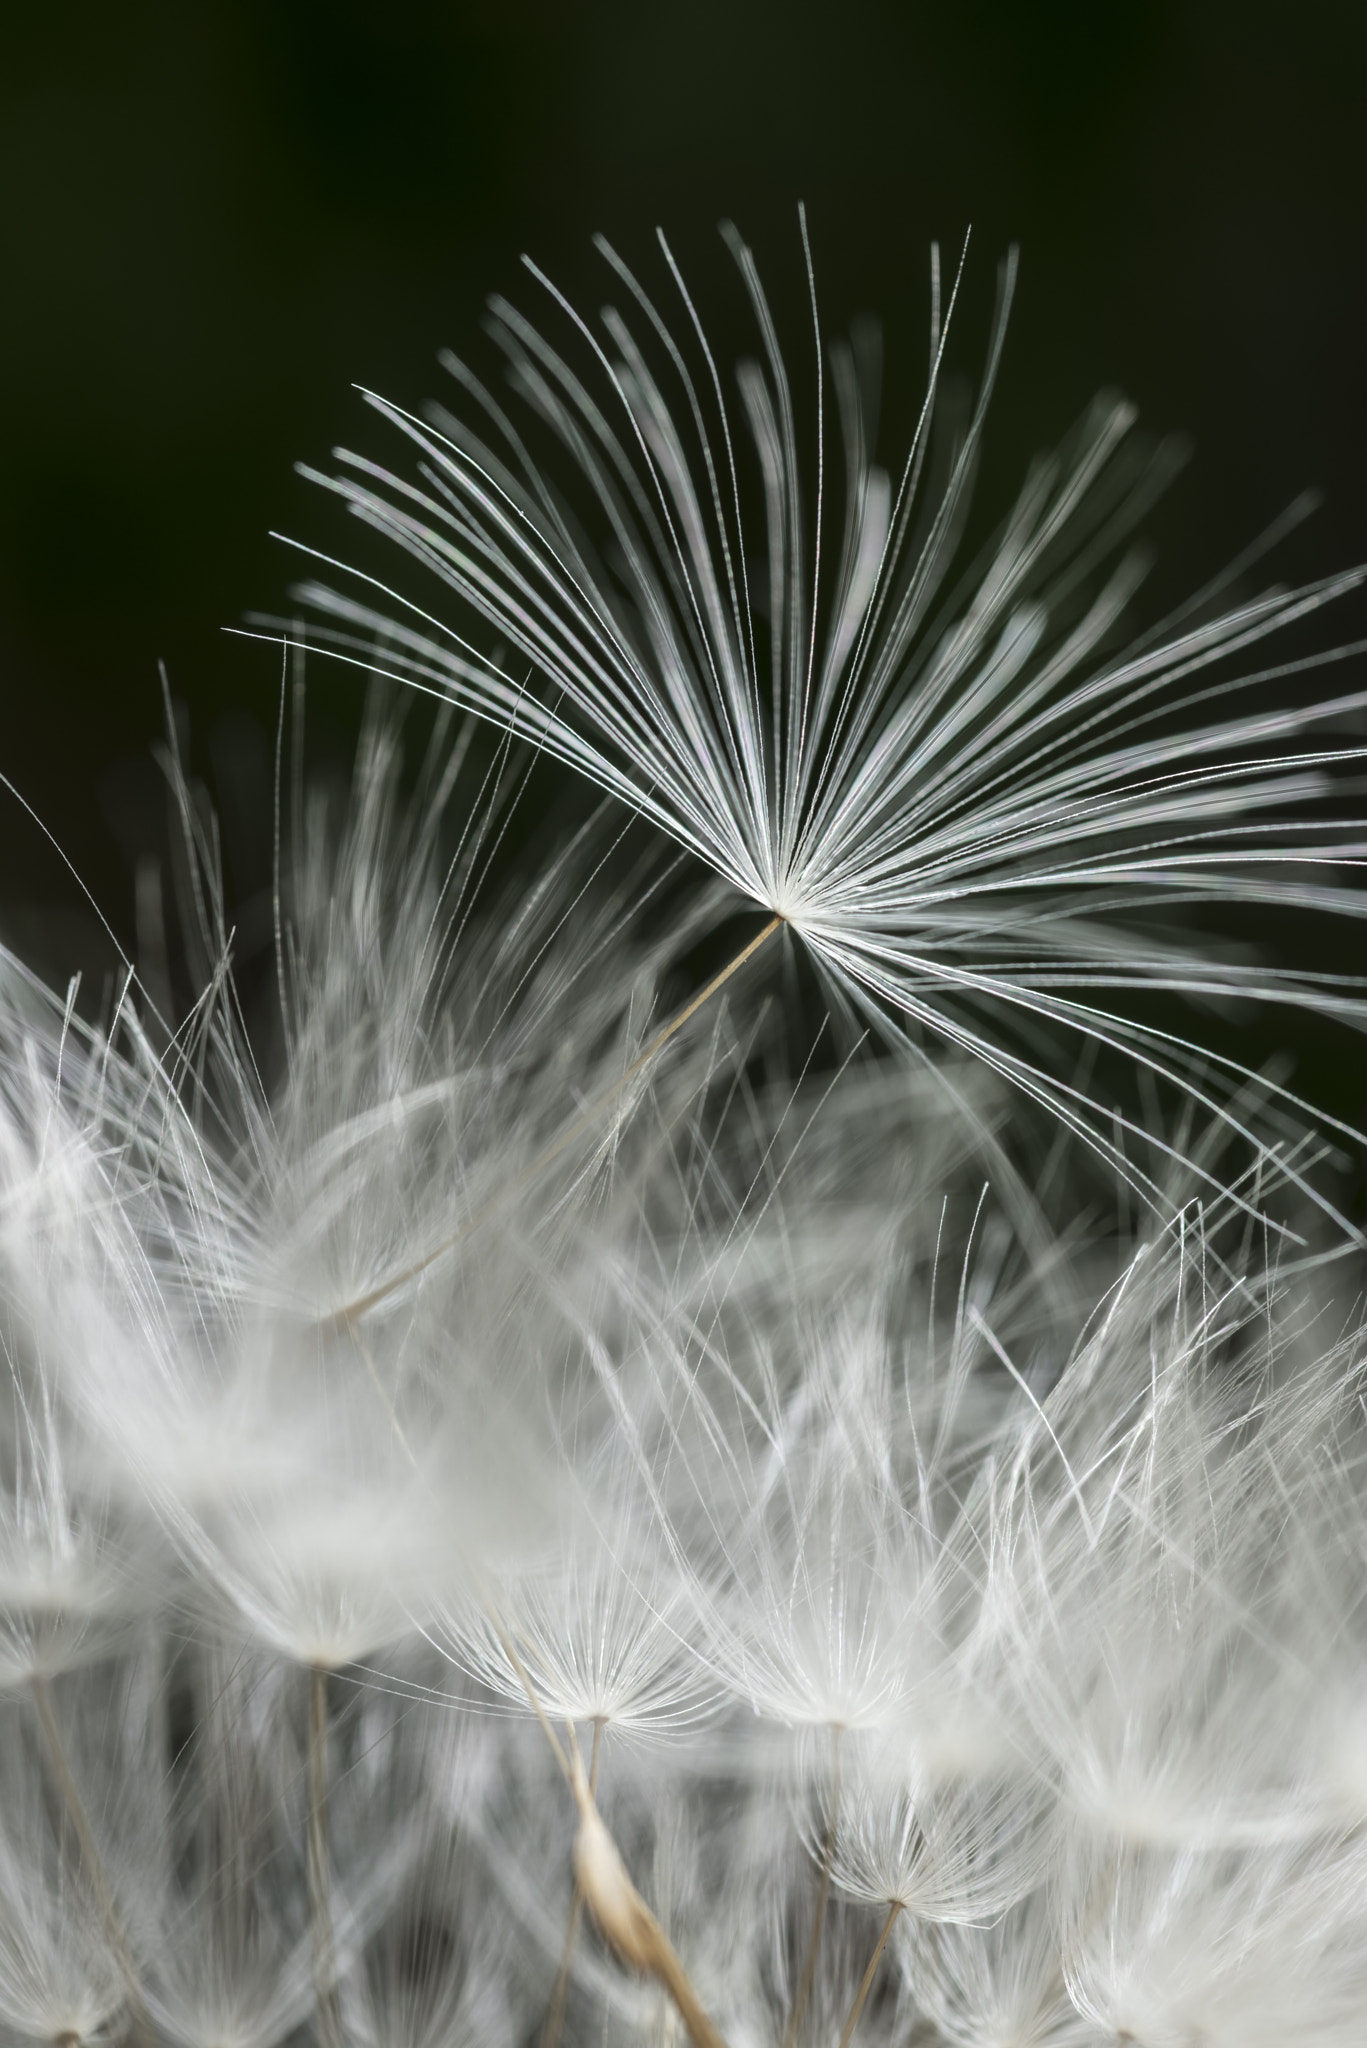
(218, 217)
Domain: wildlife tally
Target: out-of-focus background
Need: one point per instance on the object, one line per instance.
(216, 218)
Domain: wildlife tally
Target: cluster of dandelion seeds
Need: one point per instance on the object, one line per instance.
(532, 1510)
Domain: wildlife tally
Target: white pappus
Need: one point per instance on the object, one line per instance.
(529, 1514)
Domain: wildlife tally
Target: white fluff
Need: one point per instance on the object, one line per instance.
(456, 1434)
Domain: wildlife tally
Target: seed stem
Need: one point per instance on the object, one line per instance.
(555, 2018)
(624, 1919)
(320, 1898)
(867, 1983)
(91, 1861)
(344, 1318)
(804, 1989)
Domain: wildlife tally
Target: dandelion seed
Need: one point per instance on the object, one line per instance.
(960, 799)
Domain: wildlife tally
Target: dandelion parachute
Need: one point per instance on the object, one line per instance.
(988, 819)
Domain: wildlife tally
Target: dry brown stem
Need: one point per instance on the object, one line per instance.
(866, 1982)
(555, 2017)
(624, 1919)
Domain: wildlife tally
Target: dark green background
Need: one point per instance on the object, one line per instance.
(216, 217)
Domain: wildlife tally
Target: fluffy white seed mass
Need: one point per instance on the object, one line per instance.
(522, 1520)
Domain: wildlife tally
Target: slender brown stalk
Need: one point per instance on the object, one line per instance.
(624, 1919)
(320, 1894)
(866, 1984)
(555, 2017)
(676, 1981)
(91, 1862)
(804, 1989)
(343, 1318)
